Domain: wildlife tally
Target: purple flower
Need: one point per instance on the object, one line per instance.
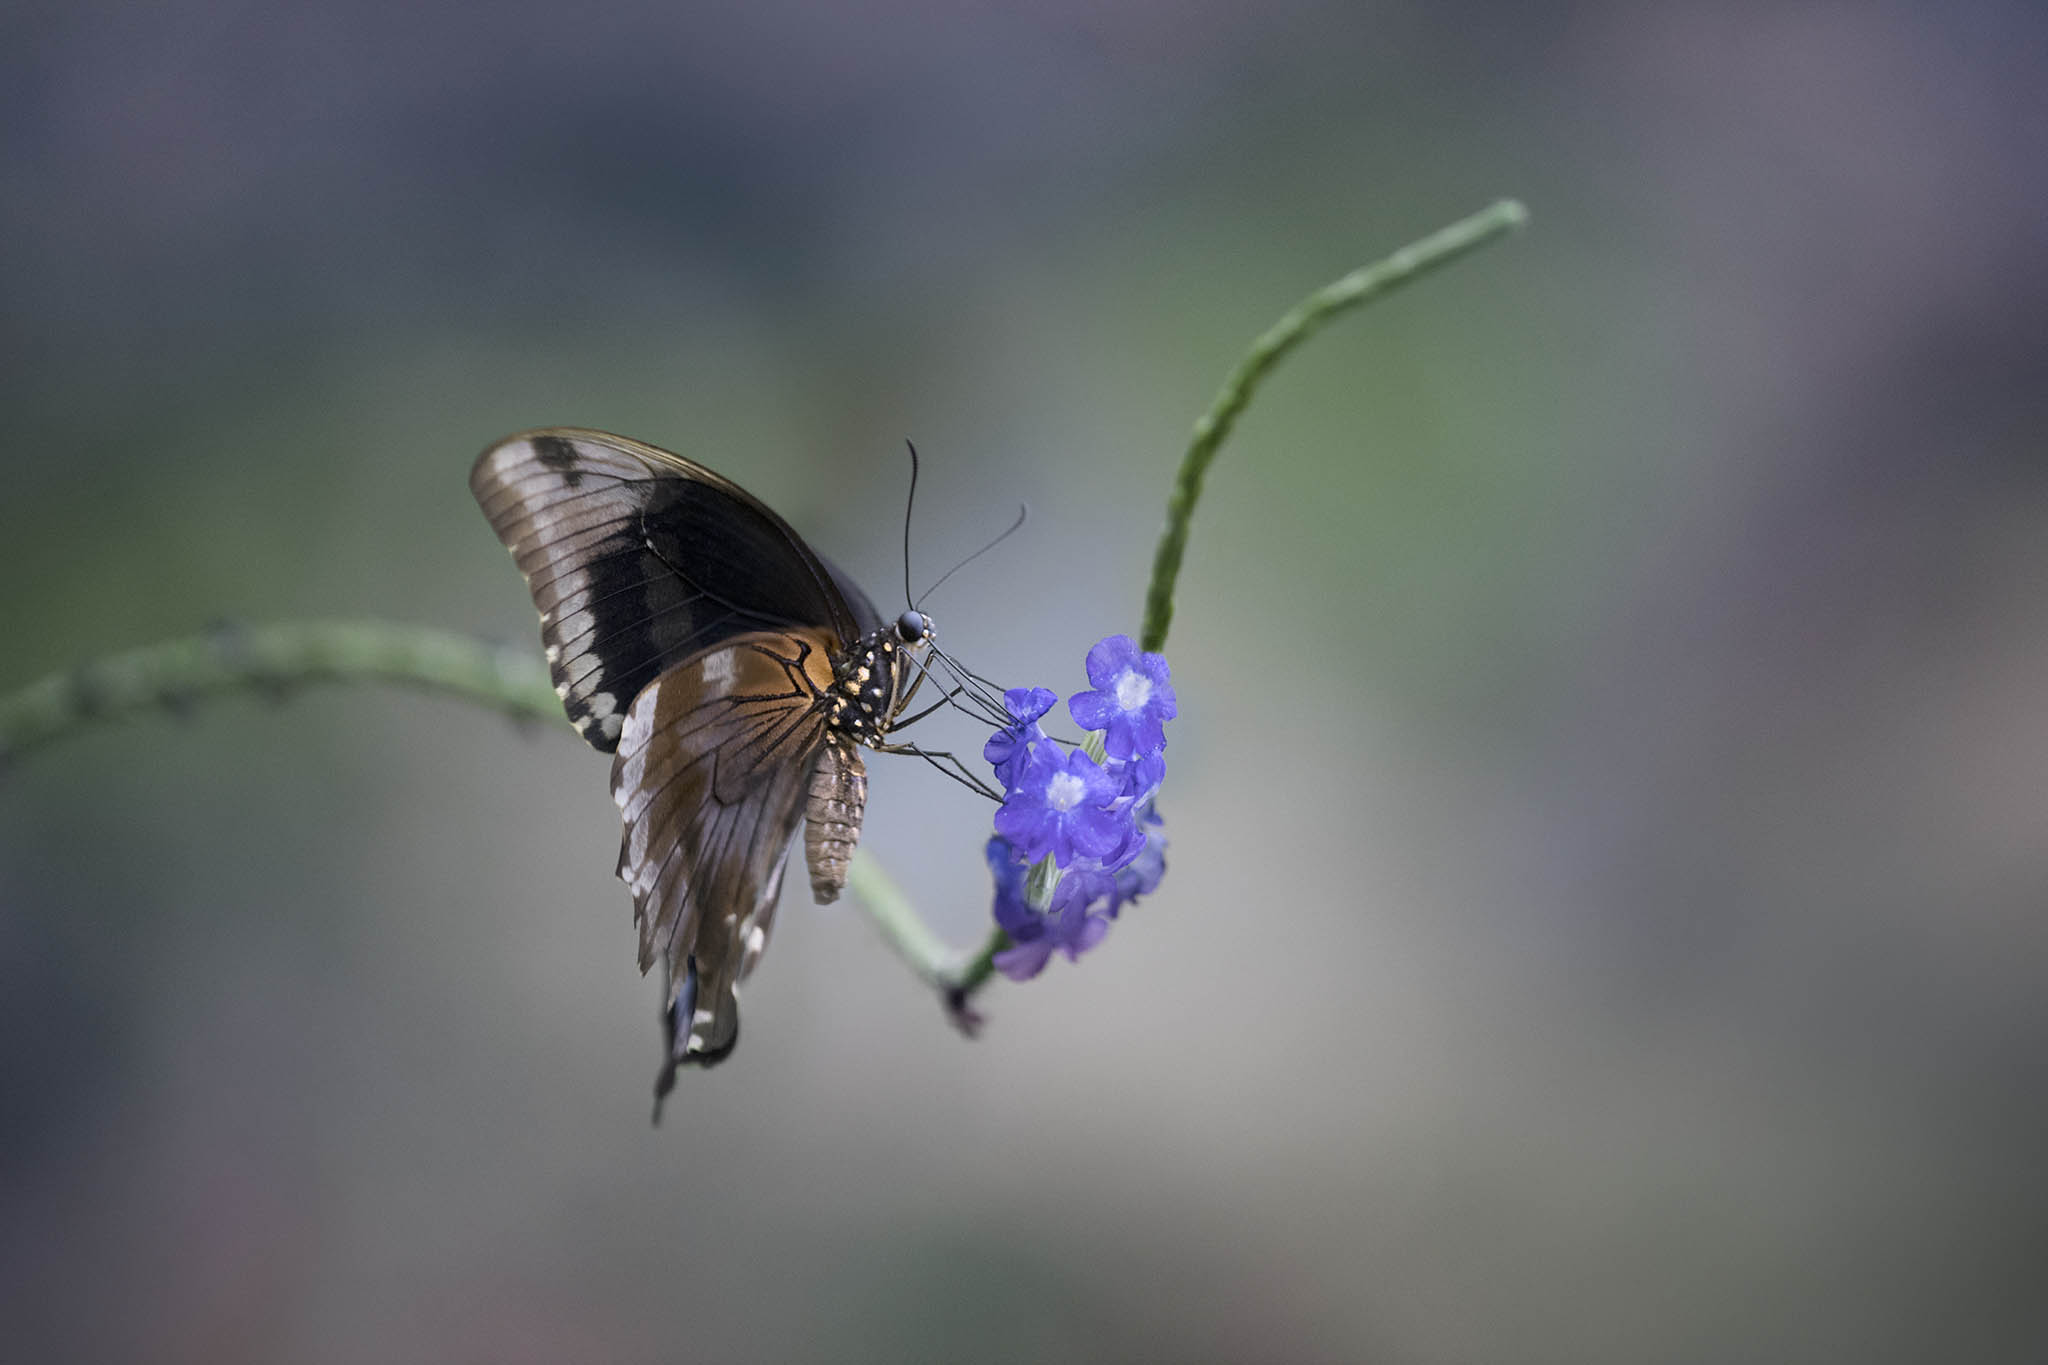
(1013, 914)
(1141, 875)
(1132, 700)
(1130, 842)
(1094, 821)
(1008, 747)
(1137, 782)
(1062, 806)
(1140, 777)
(1068, 924)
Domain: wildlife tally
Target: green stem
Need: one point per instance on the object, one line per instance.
(1301, 322)
(898, 920)
(972, 973)
(957, 974)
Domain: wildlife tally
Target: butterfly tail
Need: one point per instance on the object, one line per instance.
(690, 1036)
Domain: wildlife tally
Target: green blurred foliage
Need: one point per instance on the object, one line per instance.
(1608, 848)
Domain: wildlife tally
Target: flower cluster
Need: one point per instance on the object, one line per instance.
(1077, 837)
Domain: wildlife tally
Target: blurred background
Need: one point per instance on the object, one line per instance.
(1606, 917)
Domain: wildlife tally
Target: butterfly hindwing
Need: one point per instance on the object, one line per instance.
(711, 774)
(638, 559)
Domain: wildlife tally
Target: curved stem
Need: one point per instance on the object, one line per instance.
(974, 972)
(275, 658)
(1301, 322)
(898, 920)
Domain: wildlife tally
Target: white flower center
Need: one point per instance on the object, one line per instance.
(1133, 690)
(1065, 791)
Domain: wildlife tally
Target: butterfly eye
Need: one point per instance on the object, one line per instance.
(913, 626)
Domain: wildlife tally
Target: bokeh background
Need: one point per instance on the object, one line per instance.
(1610, 855)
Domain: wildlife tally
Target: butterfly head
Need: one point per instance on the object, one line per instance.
(914, 628)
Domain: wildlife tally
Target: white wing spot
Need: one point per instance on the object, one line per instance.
(719, 669)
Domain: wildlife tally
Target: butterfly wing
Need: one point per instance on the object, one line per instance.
(638, 558)
(712, 769)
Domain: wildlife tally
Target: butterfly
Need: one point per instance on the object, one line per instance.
(732, 672)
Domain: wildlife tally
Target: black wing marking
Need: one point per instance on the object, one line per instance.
(638, 559)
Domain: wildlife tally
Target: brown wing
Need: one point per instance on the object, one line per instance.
(638, 559)
(713, 765)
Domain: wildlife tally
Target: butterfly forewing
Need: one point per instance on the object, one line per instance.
(638, 559)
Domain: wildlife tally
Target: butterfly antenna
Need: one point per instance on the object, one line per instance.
(909, 503)
(1023, 515)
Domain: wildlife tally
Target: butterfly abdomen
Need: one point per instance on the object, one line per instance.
(838, 796)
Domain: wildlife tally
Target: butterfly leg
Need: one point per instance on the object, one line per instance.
(941, 702)
(959, 771)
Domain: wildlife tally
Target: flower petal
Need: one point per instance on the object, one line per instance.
(1026, 704)
(1024, 961)
(1093, 710)
(1110, 657)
